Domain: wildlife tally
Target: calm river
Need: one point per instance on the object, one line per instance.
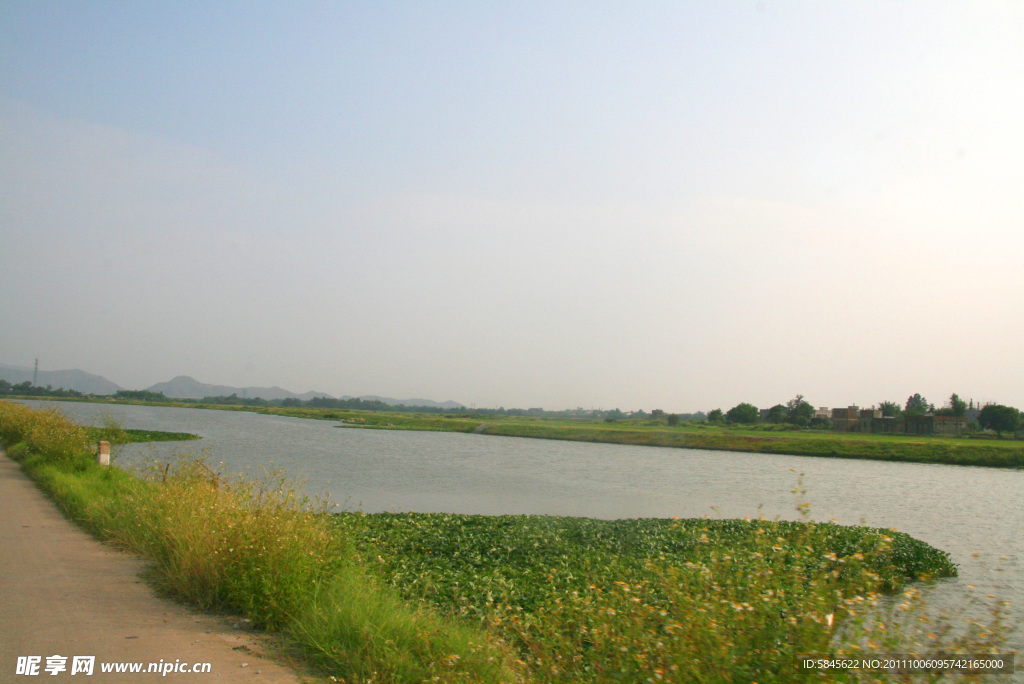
(962, 510)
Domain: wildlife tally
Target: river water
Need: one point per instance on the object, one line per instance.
(962, 510)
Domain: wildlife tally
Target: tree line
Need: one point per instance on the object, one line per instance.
(799, 413)
(796, 412)
(27, 389)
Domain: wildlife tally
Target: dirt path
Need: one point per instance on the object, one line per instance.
(64, 593)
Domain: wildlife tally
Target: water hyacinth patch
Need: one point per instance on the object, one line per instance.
(664, 600)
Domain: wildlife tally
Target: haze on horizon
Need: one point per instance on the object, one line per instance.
(676, 205)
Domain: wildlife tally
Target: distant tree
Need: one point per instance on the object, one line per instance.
(820, 423)
(27, 389)
(716, 416)
(890, 409)
(916, 406)
(798, 411)
(672, 419)
(140, 395)
(777, 414)
(958, 405)
(743, 413)
(657, 413)
(999, 418)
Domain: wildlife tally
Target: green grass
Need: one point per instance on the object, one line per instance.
(586, 600)
(131, 435)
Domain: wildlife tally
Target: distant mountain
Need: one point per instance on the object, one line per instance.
(413, 402)
(306, 396)
(77, 380)
(184, 387)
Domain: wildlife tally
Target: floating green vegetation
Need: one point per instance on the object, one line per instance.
(627, 600)
(131, 435)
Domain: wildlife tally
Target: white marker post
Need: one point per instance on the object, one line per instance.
(103, 455)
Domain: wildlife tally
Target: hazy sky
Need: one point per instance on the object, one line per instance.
(676, 205)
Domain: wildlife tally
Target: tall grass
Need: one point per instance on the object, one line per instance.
(43, 432)
(253, 546)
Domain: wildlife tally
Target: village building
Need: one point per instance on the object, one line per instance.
(855, 419)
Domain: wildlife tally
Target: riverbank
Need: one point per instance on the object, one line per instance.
(983, 451)
(65, 592)
(517, 588)
(253, 548)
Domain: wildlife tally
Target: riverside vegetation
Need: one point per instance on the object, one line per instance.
(458, 598)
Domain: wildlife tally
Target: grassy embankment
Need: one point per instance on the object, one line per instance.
(1006, 453)
(255, 548)
(502, 598)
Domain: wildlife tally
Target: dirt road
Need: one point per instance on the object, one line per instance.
(62, 593)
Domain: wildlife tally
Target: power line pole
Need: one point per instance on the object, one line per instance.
(35, 374)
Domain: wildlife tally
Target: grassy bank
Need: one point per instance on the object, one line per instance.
(933, 449)
(450, 598)
(256, 548)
